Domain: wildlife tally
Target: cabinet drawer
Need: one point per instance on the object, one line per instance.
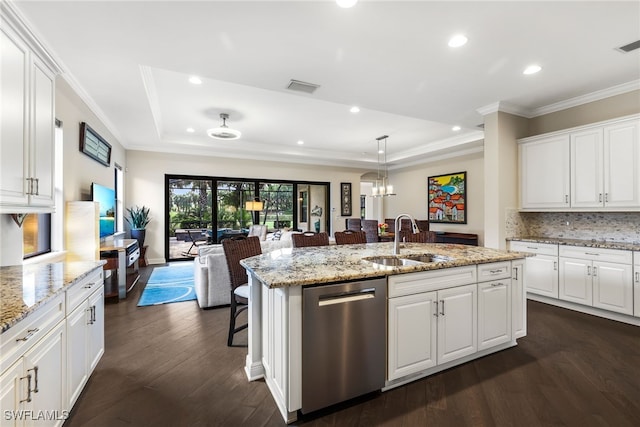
(534, 248)
(426, 281)
(494, 271)
(84, 287)
(24, 334)
(597, 254)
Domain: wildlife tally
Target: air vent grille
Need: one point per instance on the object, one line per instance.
(629, 47)
(302, 86)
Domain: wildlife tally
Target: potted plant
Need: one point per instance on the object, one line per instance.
(138, 220)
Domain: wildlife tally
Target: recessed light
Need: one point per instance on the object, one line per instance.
(346, 3)
(300, 142)
(191, 130)
(456, 128)
(532, 69)
(458, 40)
(195, 80)
(355, 109)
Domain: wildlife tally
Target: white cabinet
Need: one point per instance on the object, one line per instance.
(541, 274)
(494, 305)
(35, 385)
(85, 332)
(457, 322)
(600, 161)
(432, 319)
(604, 167)
(544, 173)
(27, 122)
(602, 278)
(636, 283)
(519, 298)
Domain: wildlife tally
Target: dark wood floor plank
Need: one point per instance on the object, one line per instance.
(170, 366)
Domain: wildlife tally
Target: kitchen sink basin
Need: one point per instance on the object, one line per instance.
(404, 260)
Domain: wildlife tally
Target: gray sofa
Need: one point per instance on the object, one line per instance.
(211, 274)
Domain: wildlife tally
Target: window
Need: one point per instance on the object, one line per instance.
(36, 235)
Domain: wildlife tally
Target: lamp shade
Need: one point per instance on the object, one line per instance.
(254, 205)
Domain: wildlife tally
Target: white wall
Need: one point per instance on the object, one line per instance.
(146, 171)
(411, 187)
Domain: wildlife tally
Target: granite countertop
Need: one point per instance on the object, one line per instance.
(579, 242)
(25, 288)
(338, 263)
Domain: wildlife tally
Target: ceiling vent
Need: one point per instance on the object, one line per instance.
(629, 47)
(302, 86)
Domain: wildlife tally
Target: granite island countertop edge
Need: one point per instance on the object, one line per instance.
(578, 242)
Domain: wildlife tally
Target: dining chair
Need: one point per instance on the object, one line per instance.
(309, 238)
(423, 224)
(354, 224)
(421, 237)
(236, 249)
(350, 237)
(370, 227)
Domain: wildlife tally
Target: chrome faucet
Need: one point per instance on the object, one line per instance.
(396, 229)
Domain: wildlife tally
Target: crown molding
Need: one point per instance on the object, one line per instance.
(505, 107)
(587, 98)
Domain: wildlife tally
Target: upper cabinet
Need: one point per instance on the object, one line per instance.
(27, 120)
(588, 168)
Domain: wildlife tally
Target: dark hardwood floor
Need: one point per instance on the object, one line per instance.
(169, 365)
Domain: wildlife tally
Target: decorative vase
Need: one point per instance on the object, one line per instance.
(139, 235)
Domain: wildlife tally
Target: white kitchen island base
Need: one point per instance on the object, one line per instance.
(485, 303)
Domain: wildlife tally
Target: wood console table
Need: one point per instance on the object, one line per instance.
(124, 262)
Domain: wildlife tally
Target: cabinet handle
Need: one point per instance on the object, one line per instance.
(436, 313)
(90, 310)
(37, 180)
(555, 265)
(442, 309)
(595, 271)
(30, 333)
(566, 198)
(606, 197)
(89, 286)
(588, 270)
(495, 271)
(29, 186)
(35, 382)
(638, 277)
(515, 270)
(494, 285)
(28, 399)
(532, 247)
(600, 197)
(93, 314)
(592, 253)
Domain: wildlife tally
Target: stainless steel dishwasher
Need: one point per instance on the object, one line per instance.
(343, 341)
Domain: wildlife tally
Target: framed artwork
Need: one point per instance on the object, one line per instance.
(345, 198)
(448, 198)
(94, 146)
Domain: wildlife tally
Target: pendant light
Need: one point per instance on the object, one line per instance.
(224, 131)
(382, 188)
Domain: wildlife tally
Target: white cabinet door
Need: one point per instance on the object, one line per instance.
(13, 389)
(586, 169)
(575, 280)
(46, 362)
(96, 329)
(544, 173)
(42, 139)
(541, 276)
(494, 313)
(519, 298)
(77, 349)
(636, 284)
(14, 150)
(621, 164)
(613, 287)
(457, 322)
(412, 334)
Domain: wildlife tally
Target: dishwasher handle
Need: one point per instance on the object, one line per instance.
(346, 297)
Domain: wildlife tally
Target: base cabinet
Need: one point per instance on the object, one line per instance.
(519, 299)
(541, 273)
(32, 390)
(494, 313)
(457, 323)
(636, 283)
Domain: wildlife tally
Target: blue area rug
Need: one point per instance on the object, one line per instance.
(169, 284)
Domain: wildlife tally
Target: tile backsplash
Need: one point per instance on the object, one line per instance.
(601, 226)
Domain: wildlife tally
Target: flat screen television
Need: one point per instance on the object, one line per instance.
(106, 197)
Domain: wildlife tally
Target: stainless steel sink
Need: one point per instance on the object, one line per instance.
(404, 260)
(391, 261)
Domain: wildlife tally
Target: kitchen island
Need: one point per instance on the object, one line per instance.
(482, 289)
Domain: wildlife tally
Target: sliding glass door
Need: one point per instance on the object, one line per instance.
(193, 218)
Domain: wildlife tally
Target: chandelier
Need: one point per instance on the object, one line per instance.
(382, 188)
